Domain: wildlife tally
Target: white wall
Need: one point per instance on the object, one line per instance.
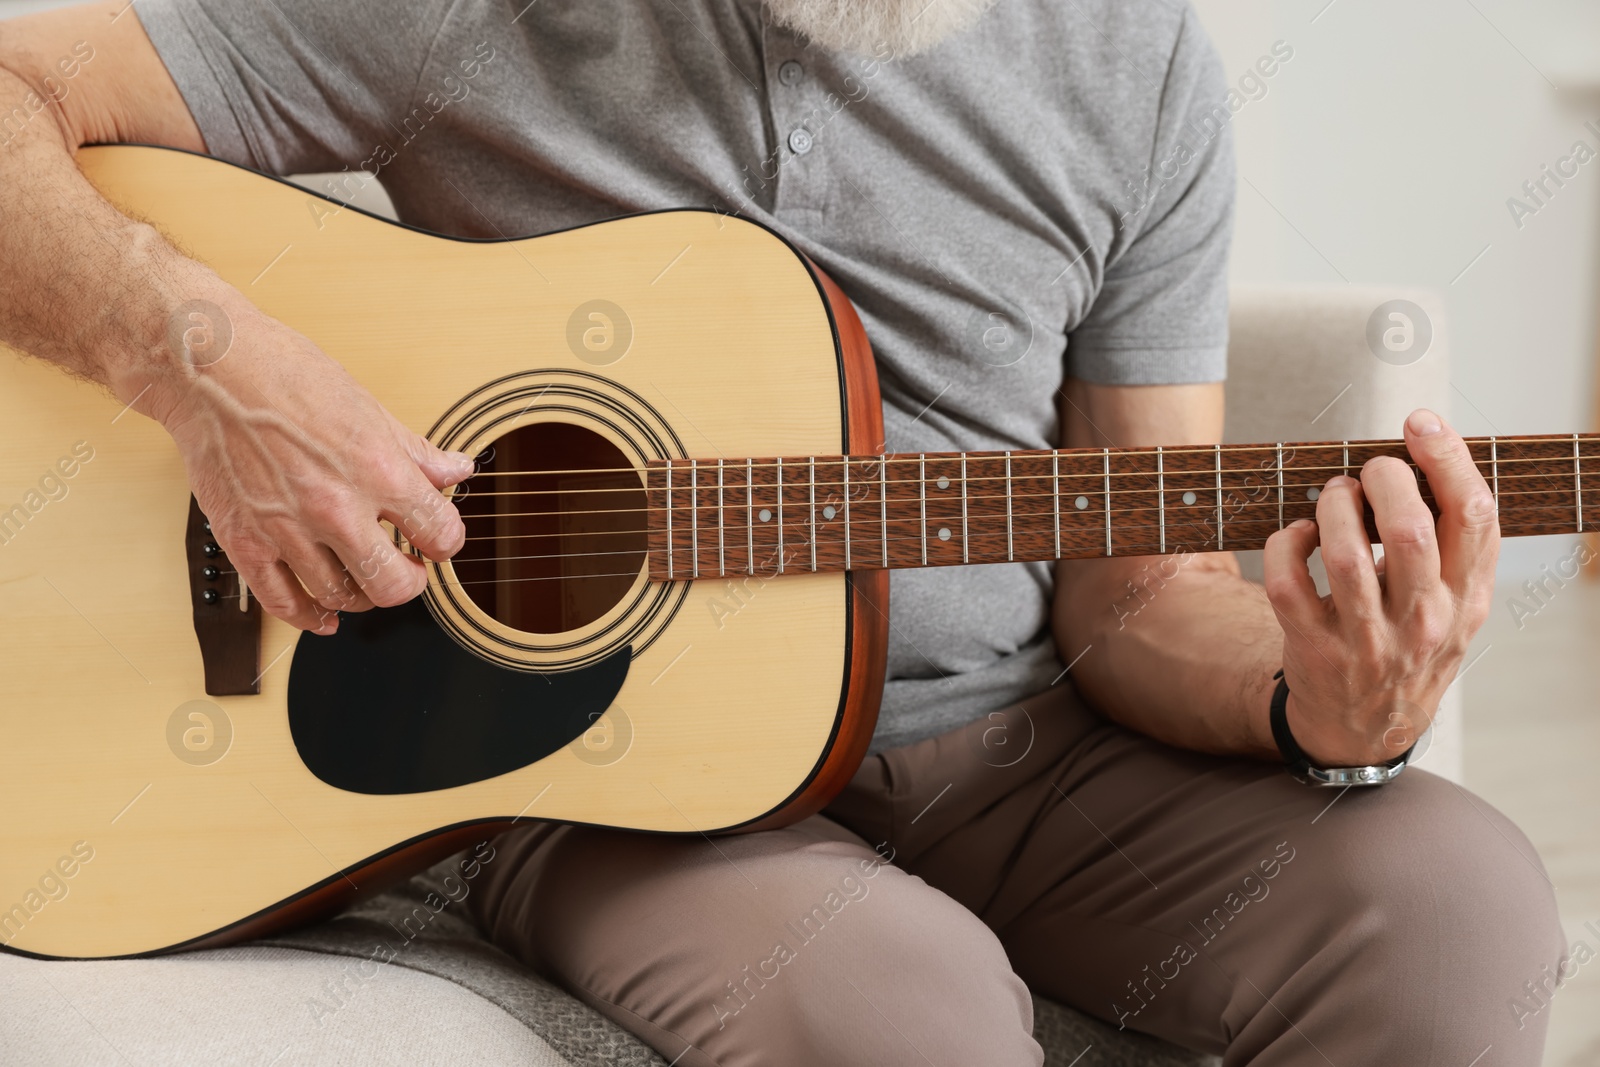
(1384, 152)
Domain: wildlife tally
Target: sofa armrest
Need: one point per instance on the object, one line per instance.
(1300, 369)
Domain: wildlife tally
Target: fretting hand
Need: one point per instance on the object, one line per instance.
(1368, 665)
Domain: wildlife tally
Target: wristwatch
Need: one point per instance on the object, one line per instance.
(1300, 765)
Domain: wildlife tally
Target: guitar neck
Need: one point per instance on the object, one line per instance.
(710, 518)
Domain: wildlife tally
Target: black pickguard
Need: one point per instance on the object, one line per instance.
(390, 704)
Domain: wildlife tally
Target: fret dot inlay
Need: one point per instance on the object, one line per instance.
(944, 533)
(1189, 497)
(943, 483)
(1081, 503)
(764, 515)
(1313, 493)
(828, 512)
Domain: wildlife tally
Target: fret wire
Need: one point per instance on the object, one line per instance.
(1280, 485)
(1010, 554)
(1105, 455)
(1577, 479)
(1542, 439)
(1481, 465)
(847, 513)
(811, 472)
(964, 507)
(1120, 511)
(1494, 465)
(750, 513)
(1511, 529)
(1534, 478)
(694, 517)
(1218, 452)
(922, 475)
(1161, 498)
(1055, 474)
(1345, 470)
(722, 563)
(780, 516)
(669, 520)
(883, 504)
(1130, 528)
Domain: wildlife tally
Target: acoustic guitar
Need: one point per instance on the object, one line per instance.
(670, 613)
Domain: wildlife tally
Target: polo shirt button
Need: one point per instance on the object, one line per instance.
(800, 142)
(790, 73)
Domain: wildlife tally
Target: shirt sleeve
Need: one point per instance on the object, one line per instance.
(1161, 315)
(291, 86)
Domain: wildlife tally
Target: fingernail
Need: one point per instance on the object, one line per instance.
(1423, 422)
(1299, 524)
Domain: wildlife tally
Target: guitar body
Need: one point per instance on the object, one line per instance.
(189, 818)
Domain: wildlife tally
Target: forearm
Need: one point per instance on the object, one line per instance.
(1180, 648)
(85, 287)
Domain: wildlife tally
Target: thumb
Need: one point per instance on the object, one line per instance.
(442, 468)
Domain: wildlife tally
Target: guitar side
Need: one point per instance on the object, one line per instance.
(744, 704)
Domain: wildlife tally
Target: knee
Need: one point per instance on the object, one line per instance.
(1423, 868)
(852, 969)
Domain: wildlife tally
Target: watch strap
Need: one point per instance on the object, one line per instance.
(1300, 764)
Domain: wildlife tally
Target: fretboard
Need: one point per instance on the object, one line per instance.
(771, 516)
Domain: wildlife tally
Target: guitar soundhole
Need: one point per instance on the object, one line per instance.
(555, 528)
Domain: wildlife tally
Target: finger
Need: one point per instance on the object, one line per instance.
(1289, 585)
(386, 575)
(282, 596)
(1346, 550)
(429, 521)
(1406, 527)
(325, 578)
(1468, 528)
(443, 469)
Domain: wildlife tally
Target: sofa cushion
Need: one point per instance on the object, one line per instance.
(252, 1005)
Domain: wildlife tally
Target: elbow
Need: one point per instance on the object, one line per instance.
(32, 104)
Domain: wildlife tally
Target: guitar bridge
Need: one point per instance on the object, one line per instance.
(227, 619)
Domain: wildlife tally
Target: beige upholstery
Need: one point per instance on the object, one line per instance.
(253, 1005)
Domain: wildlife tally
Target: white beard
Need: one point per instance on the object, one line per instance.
(873, 27)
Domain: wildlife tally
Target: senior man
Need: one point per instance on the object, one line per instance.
(1030, 202)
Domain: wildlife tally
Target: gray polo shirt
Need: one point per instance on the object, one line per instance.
(1049, 193)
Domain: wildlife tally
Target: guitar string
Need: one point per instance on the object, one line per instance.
(912, 562)
(1204, 503)
(1128, 551)
(1206, 508)
(918, 539)
(1203, 477)
(1089, 453)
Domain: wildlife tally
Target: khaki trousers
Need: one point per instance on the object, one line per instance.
(1213, 902)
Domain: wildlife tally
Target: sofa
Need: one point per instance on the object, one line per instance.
(1302, 368)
